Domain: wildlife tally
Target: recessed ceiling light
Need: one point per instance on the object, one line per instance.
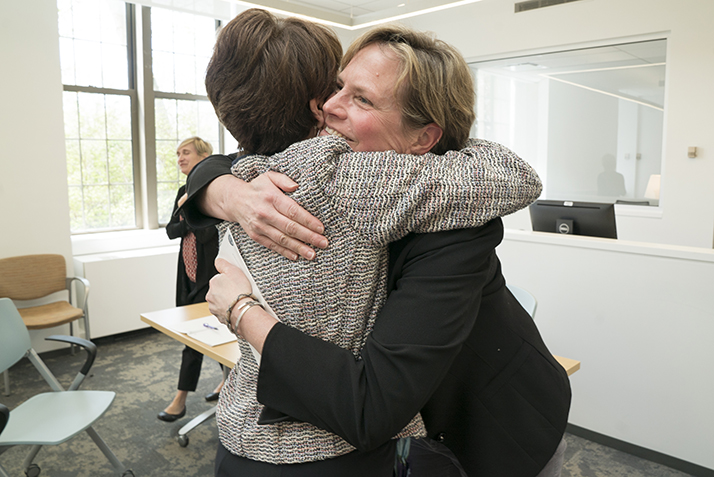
(525, 67)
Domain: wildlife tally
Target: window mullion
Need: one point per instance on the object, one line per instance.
(147, 130)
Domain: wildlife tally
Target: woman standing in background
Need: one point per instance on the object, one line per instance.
(199, 248)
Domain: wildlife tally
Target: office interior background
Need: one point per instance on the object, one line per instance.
(637, 312)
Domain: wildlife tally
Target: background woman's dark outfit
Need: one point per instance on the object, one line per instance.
(196, 267)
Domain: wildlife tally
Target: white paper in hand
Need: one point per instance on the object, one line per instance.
(228, 251)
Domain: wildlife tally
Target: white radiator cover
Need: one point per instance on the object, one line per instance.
(125, 284)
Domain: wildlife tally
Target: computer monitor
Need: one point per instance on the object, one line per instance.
(578, 218)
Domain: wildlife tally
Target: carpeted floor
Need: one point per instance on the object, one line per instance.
(142, 368)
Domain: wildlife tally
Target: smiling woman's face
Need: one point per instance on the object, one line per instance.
(364, 110)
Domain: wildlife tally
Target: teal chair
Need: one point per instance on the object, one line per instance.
(525, 298)
(54, 417)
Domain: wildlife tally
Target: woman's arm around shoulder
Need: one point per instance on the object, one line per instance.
(177, 227)
(386, 195)
(204, 197)
(260, 207)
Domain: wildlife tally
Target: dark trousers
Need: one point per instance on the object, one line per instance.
(428, 458)
(375, 463)
(191, 361)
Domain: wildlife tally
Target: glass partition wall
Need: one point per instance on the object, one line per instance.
(589, 120)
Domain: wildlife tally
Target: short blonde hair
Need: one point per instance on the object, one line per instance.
(203, 148)
(434, 86)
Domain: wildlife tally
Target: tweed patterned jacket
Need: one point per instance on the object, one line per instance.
(365, 200)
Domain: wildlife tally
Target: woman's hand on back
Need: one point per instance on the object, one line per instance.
(274, 220)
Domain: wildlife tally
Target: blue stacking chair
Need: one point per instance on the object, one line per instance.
(49, 418)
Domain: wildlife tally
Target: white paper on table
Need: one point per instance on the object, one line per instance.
(228, 250)
(207, 330)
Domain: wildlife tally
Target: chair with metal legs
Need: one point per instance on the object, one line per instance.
(54, 417)
(33, 277)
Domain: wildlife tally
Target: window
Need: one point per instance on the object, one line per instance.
(114, 115)
(589, 120)
(181, 46)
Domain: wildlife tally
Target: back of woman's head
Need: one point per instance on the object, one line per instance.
(263, 74)
(435, 84)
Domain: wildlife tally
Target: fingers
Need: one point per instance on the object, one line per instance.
(285, 183)
(275, 239)
(292, 210)
(300, 220)
(222, 265)
(287, 247)
(277, 221)
(296, 223)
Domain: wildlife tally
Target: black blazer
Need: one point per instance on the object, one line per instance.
(452, 342)
(188, 292)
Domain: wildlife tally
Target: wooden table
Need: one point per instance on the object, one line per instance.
(570, 365)
(164, 320)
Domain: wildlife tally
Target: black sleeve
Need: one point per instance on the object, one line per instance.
(203, 174)
(418, 333)
(177, 228)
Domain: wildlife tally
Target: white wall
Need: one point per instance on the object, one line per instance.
(34, 217)
(490, 29)
(147, 276)
(639, 318)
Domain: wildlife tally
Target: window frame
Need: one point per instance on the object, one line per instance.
(655, 209)
(142, 97)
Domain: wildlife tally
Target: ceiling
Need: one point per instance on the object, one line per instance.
(356, 14)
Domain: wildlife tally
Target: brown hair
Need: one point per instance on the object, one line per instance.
(434, 86)
(203, 148)
(263, 74)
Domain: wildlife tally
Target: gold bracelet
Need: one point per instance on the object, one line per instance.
(238, 298)
(243, 309)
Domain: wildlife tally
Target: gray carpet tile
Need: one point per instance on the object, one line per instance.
(142, 368)
(584, 458)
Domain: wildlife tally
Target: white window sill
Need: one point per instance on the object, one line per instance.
(107, 242)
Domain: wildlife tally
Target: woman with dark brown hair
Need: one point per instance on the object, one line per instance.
(368, 397)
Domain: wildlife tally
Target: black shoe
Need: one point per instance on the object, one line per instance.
(166, 417)
(212, 396)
